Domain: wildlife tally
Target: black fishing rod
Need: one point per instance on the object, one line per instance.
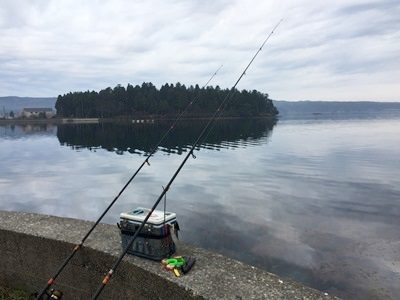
(51, 281)
(190, 153)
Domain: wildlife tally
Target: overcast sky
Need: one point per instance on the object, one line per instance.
(324, 50)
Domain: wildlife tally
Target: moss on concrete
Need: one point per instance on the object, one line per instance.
(13, 294)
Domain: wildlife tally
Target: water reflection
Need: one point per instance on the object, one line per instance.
(316, 201)
(140, 138)
(16, 131)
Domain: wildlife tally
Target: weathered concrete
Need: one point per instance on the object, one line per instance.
(32, 246)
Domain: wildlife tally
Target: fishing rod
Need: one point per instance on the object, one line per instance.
(51, 281)
(107, 278)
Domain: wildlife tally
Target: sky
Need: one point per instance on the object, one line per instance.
(323, 50)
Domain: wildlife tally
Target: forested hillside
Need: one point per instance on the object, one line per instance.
(169, 100)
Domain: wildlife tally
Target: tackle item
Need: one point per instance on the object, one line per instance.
(179, 264)
(177, 273)
(154, 240)
(175, 262)
(190, 261)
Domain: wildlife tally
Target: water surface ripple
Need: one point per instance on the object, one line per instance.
(315, 200)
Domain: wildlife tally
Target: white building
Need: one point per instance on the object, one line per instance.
(38, 112)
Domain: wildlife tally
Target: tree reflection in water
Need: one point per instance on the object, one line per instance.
(140, 138)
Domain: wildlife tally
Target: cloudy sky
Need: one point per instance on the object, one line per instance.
(324, 50)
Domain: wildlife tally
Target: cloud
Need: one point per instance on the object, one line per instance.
(53, 47)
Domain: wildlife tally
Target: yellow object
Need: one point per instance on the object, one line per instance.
(177, 273)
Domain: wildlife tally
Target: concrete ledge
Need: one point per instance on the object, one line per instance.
(32, 246)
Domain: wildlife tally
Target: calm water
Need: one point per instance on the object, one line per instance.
(315, 200)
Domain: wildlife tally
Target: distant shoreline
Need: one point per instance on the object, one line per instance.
(143, 120)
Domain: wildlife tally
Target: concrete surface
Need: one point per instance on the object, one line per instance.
(32, 247)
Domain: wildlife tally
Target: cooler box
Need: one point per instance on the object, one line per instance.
(154, 240)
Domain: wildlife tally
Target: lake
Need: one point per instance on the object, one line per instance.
(313, 199)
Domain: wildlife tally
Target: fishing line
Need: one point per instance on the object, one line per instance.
(233, 89)
(107, 278)
(51, 281)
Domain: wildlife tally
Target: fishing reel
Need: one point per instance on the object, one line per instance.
(53, 294)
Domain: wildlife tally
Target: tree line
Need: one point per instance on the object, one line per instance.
(147, 100)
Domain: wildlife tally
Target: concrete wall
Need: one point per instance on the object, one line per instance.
(32, 246)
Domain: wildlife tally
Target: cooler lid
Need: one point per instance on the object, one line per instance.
(140, 213)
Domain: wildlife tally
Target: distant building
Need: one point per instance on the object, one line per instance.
(38, 112)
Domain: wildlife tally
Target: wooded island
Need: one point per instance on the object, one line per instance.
(147, 100)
